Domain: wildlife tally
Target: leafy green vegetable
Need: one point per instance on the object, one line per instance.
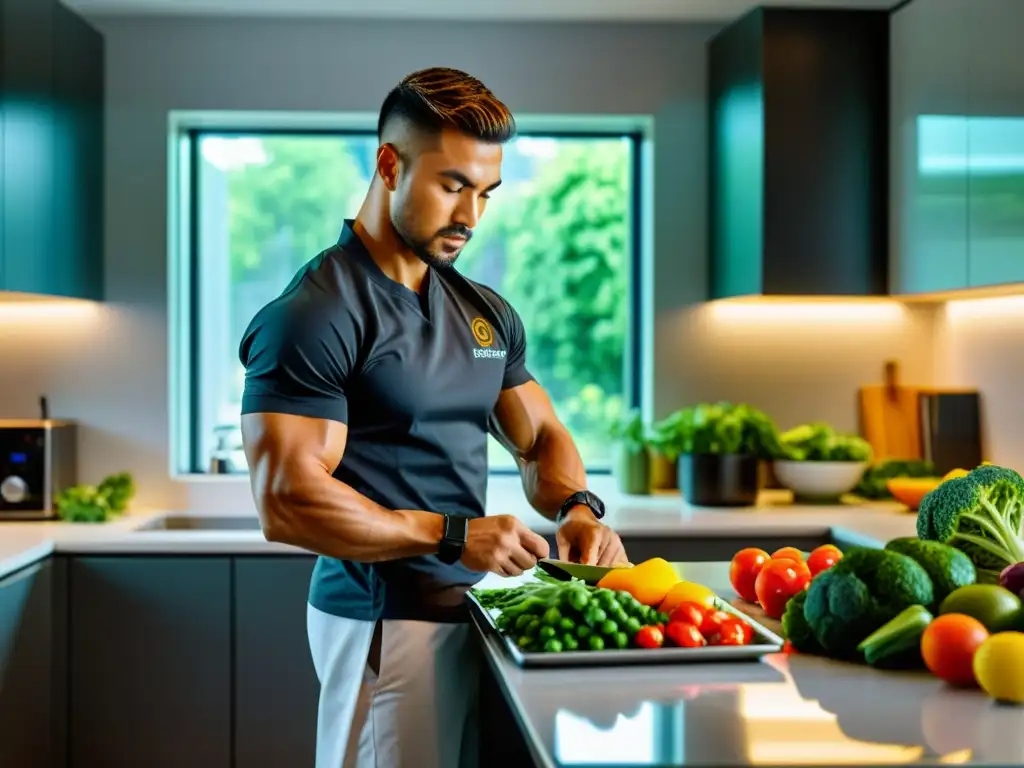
(718, 428)
(872, 484)
(980, 514)
(818, 441)
(948, 567)
(96, 503)
(860, 593)
(897, 643)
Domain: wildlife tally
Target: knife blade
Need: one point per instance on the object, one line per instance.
(564, 570)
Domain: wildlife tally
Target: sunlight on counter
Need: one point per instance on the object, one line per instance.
(630, 741)
(782, 728)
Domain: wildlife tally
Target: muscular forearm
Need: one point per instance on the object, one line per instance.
(552, 472)
(312, 510)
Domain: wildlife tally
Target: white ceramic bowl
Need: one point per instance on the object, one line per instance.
(819, 479)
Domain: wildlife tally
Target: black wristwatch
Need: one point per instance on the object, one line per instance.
(581, 499)
(453, 541)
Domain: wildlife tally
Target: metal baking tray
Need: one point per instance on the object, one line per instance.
(764, 642)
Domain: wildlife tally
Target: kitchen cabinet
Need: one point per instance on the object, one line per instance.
(798, 110)
(957, 133)
(32, 684)
(150, 660)
(51, 186)
(276, 689)
(930, 95)
(995, 137)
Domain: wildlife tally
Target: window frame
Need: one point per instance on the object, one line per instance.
(185, 133)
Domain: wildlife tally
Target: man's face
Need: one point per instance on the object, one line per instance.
(441, 193)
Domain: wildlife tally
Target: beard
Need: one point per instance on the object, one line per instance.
(431, 250)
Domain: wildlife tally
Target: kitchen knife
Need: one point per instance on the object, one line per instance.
(564, 570)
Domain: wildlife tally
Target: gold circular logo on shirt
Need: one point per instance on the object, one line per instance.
(482, 332)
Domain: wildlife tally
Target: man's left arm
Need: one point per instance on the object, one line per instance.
(552, 472)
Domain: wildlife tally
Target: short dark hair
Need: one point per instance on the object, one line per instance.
(440, 97)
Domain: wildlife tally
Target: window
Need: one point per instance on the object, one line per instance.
(559, 241)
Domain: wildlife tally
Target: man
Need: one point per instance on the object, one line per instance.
(372, 383)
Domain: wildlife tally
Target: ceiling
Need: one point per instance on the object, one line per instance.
(464, 10)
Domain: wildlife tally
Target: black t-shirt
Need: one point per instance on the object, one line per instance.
(415, 378)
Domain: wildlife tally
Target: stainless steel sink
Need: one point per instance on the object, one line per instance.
(202, 523)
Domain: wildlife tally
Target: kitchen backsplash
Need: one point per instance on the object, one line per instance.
(980, 343)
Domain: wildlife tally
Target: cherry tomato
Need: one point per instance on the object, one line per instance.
(787, 647)
(743, 570)
(778, 581)
(688, 611)
(684, 634)
(713, 622)
(788, 553)
(823, 558)
(733, 631)
(650, 637)
(948, 646)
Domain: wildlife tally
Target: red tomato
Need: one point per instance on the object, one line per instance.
(650, 637)
(948, 646)
(823, 558)
(743, 570)
(688, 611)
(713, 622)
(684, 634)
(787, 647)
(788, 553)
(778, 581)
(733, 631)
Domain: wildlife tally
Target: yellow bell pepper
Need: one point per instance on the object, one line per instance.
(648, 581)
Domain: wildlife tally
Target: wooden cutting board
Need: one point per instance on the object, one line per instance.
(890, 417)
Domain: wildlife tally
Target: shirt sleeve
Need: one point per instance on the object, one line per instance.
(298, 360)
(516, 372)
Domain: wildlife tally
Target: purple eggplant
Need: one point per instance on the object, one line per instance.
(1012, 578)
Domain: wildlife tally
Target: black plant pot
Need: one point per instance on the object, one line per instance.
(719, 480)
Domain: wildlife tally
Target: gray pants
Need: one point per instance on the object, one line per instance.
(394, 694)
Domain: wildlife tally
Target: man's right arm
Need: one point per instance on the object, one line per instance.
(291, 460)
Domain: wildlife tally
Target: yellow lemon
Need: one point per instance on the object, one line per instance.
(687, 592)
(954, 473)
(999, 667)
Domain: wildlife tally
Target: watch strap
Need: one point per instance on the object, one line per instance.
(453, 540)
(581, 499)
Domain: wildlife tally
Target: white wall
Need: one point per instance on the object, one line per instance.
(107, 366)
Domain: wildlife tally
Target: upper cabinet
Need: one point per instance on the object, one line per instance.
(995, 137)
(51, 151)
(798, 109)
(957, 139)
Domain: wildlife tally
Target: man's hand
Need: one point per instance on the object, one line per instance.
(503, 545)
(584, 539)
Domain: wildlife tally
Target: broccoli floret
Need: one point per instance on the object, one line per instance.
(860, 593)
(795, 627)
(979, 514)
(947, 566)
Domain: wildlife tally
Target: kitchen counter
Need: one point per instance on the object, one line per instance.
(782, 709)
(649, 517)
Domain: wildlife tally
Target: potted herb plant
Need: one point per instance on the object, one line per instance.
(632, 464)
(819, 464)
(663, 444)
(722, 446)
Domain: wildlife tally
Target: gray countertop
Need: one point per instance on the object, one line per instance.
(653, 517)
(782, 709)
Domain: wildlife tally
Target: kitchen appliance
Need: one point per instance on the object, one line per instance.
(951, 429)
(38, 460)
